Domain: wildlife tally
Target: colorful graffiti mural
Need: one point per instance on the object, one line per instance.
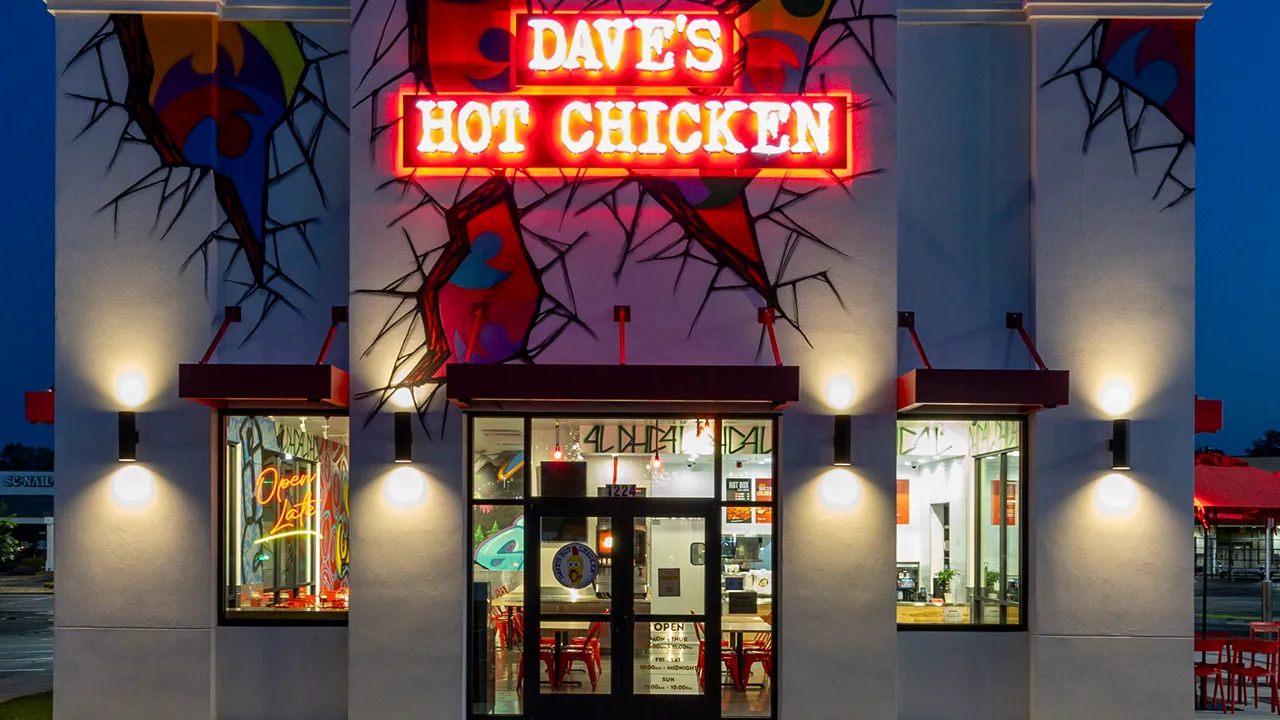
(1129, 70)
(241, 104)
(481, 297)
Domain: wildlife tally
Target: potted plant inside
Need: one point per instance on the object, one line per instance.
(942, 583)
(992, 579)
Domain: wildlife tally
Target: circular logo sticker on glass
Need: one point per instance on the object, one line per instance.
(575, 566)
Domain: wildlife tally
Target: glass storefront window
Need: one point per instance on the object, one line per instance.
(286, 517)
(671, 458)
(959, 517)
(606, 553)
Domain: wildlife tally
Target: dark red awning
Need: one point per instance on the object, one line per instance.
(282, 387)
(1208, 415)
(39, 406)
(1021, 392)
(757, 386)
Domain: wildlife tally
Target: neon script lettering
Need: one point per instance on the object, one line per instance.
(288, 513)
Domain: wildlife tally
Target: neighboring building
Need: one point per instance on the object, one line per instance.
(253, 204)
(28, 497)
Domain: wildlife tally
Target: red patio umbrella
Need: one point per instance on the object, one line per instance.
(1230, 490)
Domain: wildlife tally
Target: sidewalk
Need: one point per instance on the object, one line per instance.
(26, 583)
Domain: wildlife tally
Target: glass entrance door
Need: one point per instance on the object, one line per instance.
(621, 609)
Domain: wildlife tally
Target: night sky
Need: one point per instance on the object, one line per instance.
(1237, 259)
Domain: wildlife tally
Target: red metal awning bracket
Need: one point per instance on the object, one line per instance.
(230, 314)
(1013, 321)
(907, 321)
(338, 316)
(477, 314)
(765, 317)
(622, 316)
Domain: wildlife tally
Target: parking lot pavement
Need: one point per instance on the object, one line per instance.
(26, 644)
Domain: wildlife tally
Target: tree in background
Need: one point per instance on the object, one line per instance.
(16, 456)
(9, 545)
(1268, 445)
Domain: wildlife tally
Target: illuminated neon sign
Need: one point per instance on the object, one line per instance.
(641, 112)
(288, 513)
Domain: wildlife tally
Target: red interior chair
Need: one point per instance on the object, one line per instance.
(592, 643)
(548, 656)
(1254, 660)
(727, 657)
(1216, 652)
(759, 651)
(502, 626)
(575, 653)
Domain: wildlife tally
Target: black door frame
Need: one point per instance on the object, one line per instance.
(655, 507)
(622, 701)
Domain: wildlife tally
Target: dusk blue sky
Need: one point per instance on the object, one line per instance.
(1237, 180)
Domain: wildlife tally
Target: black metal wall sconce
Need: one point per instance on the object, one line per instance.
(404, 437)
(128, 436)
(1120, 445)
(842, 441)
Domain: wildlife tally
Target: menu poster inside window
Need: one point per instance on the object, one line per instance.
(739, 490)
(764, 493)
(904, 502)
(1010, 504)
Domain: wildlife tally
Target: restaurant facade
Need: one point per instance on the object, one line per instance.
(480, 358)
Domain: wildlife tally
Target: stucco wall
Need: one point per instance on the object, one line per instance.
(1115, 303)
(589, 266)
(148, 252)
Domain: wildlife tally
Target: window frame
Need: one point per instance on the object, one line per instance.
(1024, 478)
(717, 501)
(275, 618)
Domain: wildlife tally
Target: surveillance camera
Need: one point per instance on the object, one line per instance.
(915, 464)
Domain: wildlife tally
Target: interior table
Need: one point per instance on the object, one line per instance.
(562, 628)
(737, 626)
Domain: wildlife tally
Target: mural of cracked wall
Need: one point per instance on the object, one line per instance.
(503, 286)
(240, 106)
(1141, 73)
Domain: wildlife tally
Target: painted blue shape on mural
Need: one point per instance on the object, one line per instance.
(1157, 80)
(475, 273)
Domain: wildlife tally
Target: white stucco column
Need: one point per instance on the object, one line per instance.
(1111, 603)
(134, 610)
(964, 248)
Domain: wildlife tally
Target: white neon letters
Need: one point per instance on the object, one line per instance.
(611, 123)
(719, 137)
(689, 145)
(510, 114)
(582, 143)
(704, 35)
(437, 117)
(809, 127)
(769, 119)
(539, 59)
